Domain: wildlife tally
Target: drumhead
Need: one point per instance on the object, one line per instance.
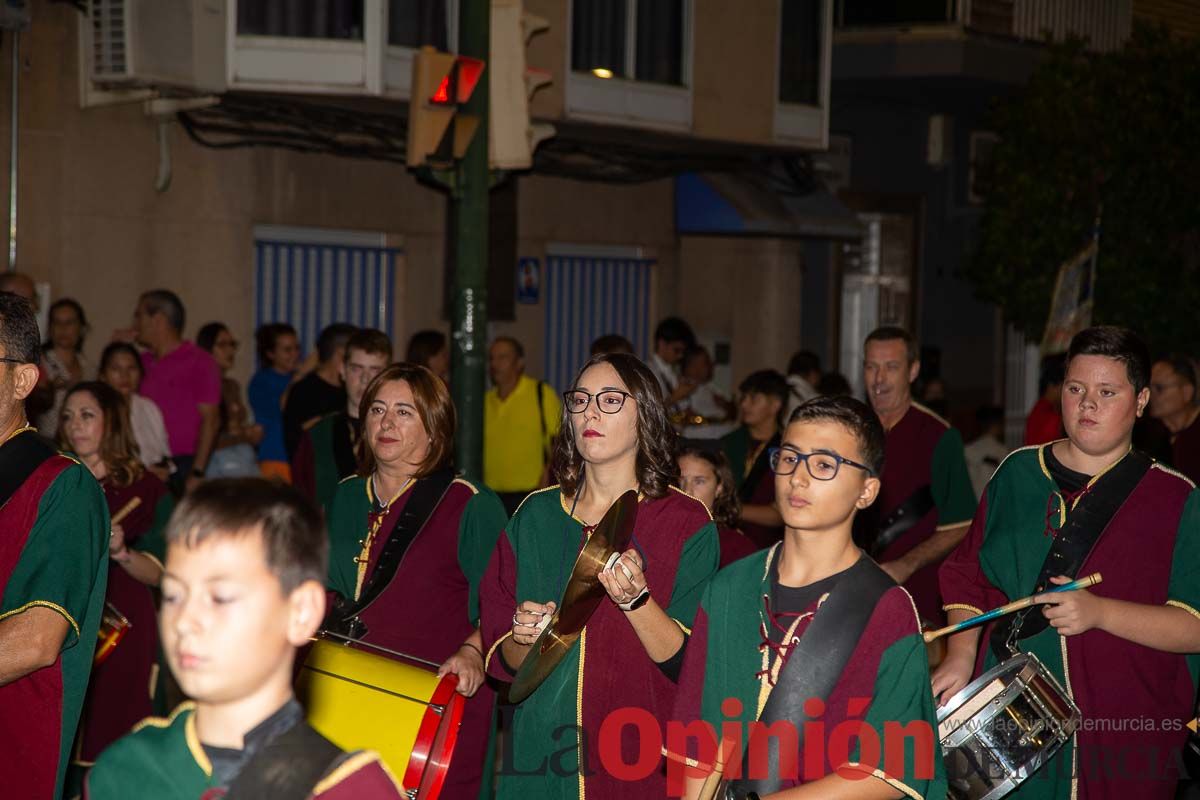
(995, 678)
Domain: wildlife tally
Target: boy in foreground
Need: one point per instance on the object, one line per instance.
(242, 590)
(801, 648)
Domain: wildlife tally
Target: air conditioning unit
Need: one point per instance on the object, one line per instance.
(158, 43)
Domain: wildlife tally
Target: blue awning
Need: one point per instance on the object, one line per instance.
(735, 204)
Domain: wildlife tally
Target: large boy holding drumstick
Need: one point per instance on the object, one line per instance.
(771, 625)
(242, 589)
(1084, 504)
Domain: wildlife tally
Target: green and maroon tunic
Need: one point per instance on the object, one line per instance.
(750, 463)
(121, 692)
(923, 450)
(1149, 553)
(431, 605)
(53, 554)
(607, 668)
(733, 654)
(324, 457)
(163, 759)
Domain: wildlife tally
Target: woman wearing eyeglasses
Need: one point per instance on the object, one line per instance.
(617, 437)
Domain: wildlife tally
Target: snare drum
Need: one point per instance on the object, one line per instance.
(113, 627)
(364, 697)
(1002, 727)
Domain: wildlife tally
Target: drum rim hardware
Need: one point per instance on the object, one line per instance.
(1027, 681)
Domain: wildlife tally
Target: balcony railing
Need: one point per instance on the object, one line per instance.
(1104, 23)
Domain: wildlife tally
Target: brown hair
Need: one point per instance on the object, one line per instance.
(656, 467)
(434, 407)
(118, 448)
(370, 341)
(727, 506)
(293, 537)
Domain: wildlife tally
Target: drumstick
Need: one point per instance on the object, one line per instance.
(1015, 605)
(126, 510)
(712, 781)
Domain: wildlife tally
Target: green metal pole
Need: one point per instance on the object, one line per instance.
(469, 335)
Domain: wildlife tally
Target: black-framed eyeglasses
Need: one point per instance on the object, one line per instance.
(8, 360)
(822, 466)
(610, 401)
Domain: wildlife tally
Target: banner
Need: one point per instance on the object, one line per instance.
(1074, 292)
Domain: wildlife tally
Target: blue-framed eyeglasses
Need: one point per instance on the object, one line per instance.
(821, 465)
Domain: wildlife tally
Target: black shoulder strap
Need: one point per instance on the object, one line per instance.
(902, 518)
(1076, 539)
(426, 495)
(757, 470)
(813, 668)
(286, 768)
(343, 445)
(20, 457)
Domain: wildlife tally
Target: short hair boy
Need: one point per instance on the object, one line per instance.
(242, 590)
(327, 450)
(770, 624)
(762, 399)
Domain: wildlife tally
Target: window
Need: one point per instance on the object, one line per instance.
(642, 39)
(334, 46)
(647, 43)
(294, 19)
(871, 13)
(413, 23)
(802, 94)
(800, 39)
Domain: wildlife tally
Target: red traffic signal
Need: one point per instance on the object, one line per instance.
(457, 85)
(441, 82)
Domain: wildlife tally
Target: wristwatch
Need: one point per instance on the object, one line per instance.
(637, 602)
(197, 473)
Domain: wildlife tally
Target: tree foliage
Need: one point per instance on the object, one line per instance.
(1117, 131)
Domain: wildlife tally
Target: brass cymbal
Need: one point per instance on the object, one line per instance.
(582, 595)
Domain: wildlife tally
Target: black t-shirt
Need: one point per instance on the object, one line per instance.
(311, 397)
(788, 602)
(1068, 480)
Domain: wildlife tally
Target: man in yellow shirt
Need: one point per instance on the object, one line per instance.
(521, 417)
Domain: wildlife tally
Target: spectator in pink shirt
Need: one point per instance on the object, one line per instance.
(183, 380)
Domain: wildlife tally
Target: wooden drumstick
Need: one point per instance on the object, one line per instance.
(126, 510)
(715, 779)
(1015, 605)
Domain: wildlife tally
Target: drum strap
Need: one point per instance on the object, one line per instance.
(903, 517)
(426, 495)
(287, 767)
(815, 665)
(1074, 542)
(19, 458)
(344, 437)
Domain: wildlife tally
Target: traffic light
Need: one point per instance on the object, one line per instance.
(512, 138)
(438, 132)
